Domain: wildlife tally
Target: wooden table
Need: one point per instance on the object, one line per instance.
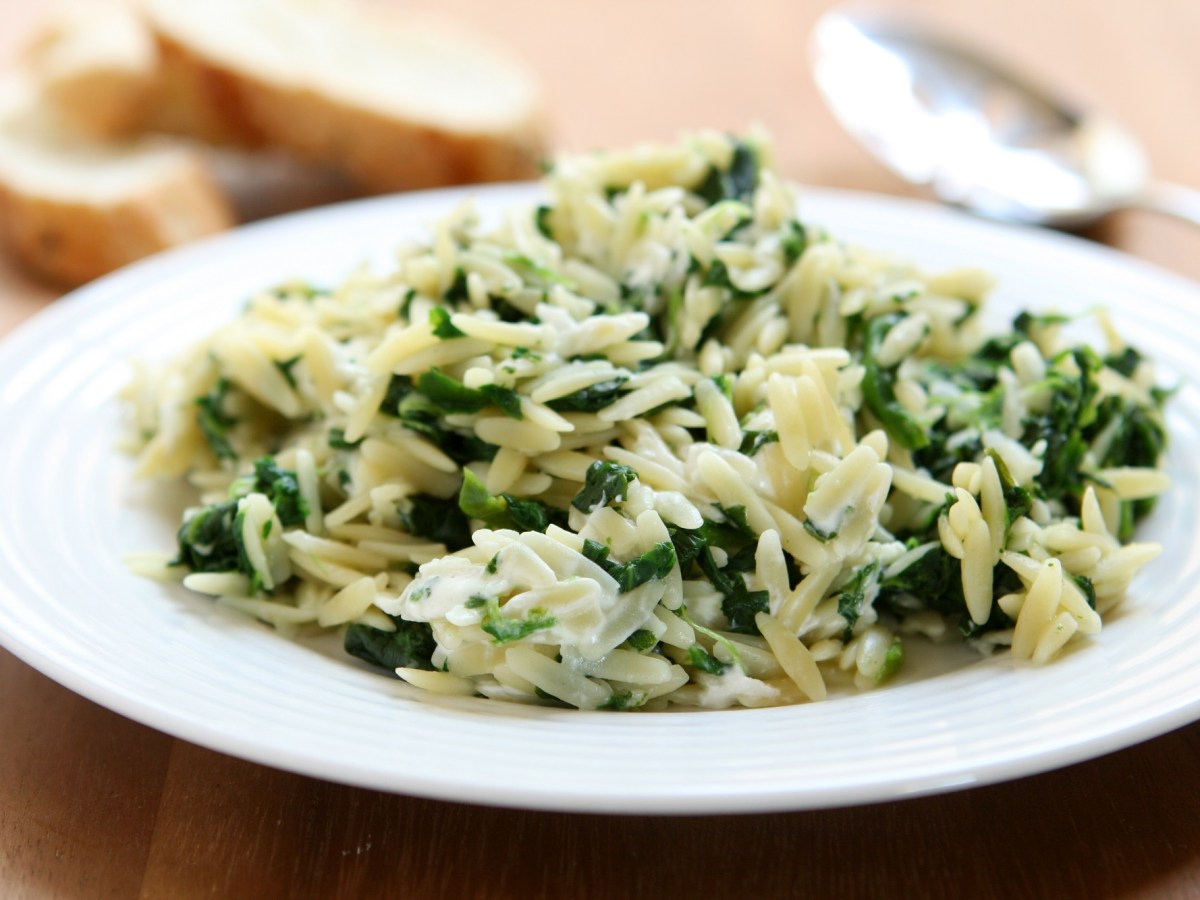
(94, 805)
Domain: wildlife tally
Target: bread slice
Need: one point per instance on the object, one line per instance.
(396, 103)
(72, 209)
(97, 65)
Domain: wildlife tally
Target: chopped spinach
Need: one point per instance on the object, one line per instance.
(853, 596)
(739, 603)
(655, 564)
(795, 243)
(717, 275)
(432, 517)
(1071, 410)
(465, 448)
(892, 661)
(934, 579)
(439, 318)
(736, 182)
(457, 292)
(215, 424)
(736, 517)
(337, 440)
(208, 541)
(642, 640)
(878, 387)
(529, 269)
(753, 441)
(505, 630)
(503, 510)
(819, 533)
(701, 659)
(624, 701)
(605, 483)
(590, 399)
(423, 416)
(410, 646)
(399, 387)
(1086, 588)
(541, 221)
(451, 396)
(285, 367)
(282, 489)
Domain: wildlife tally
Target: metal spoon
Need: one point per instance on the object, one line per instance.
(977, 134)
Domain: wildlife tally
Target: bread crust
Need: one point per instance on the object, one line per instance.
(211, 100)
(70, 242)
(156, 69)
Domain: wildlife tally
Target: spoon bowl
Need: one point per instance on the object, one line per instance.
(979, 135)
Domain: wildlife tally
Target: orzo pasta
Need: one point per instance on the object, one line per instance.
(655, 441)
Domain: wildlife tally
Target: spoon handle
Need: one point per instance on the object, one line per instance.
(1173, 200)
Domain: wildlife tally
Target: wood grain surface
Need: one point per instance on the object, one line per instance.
(93, 805)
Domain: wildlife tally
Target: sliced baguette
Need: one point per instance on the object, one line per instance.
(72, 209)
(396, 103)
(97, 65)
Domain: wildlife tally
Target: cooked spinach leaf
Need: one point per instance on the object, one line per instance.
(853, 597)
(282, 489)
(285, 367)
(439, 318)
(605, 483)
(208, 541)
(701, 659)
(432, 517)
(505, 630)
(590, 399)
(451, 396)
(655, 564)
(215, 424)
(337, 440)
(410, 646)
(736, 182)
(879, 391)
(504, 510)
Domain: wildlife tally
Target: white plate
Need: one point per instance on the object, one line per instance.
(172, 660)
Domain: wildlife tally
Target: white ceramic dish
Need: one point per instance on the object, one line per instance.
(172, 660)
